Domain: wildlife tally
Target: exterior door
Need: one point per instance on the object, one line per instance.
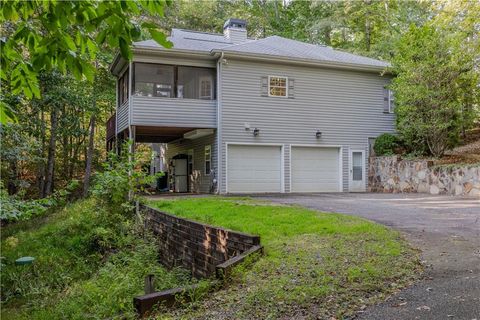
(357, 171)
(181, 175)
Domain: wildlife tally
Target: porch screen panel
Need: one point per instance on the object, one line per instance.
(152, 80)
(196, 83)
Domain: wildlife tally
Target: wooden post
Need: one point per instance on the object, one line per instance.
(131, 155)
(149, 284)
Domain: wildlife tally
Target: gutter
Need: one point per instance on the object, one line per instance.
(300, 61)
(177, 52)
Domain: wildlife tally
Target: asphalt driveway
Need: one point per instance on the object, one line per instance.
(447, 231)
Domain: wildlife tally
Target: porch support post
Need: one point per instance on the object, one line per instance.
(131, 155)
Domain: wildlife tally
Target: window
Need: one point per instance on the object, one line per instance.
(152, 80)
(357, 166)
(277, 86)
(155, 80)
(190, 161)
(208, 159)
(123, 88)
(391, 101)
(388, 100)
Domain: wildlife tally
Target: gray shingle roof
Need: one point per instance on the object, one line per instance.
(274, 46)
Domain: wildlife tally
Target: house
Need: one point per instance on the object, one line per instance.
(240, 115)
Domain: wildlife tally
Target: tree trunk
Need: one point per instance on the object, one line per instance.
(13, 178)
(368, 27)
(41, 169)
(88, 167)
(51, 154)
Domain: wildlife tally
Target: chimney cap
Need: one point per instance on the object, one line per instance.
(236, 23)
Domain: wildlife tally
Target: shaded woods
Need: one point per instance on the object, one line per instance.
(55, 136)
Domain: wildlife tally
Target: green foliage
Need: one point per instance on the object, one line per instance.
(17, 150)
(89, 263)
(314, 262)
(434, 76)
(119, 184)
(67, 35)
(385, 144)
(14, 208)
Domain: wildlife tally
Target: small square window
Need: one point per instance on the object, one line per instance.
(277, 86)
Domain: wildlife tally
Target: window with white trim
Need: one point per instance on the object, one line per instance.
(208, 159)
(391, 101)
(277, 86)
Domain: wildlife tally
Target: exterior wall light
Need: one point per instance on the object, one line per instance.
(256, 132)
(318, 134)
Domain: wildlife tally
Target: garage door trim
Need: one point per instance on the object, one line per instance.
(340, 161)
(282, 160)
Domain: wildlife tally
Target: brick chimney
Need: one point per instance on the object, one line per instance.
(235, 30)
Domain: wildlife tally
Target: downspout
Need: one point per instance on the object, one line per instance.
(219, 129)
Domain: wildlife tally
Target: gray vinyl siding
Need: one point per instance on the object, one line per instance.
(172, 112)
(346, 106)
(122, 117)
(200, 183)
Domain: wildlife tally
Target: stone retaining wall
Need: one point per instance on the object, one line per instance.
(394, 174)
(195, 246)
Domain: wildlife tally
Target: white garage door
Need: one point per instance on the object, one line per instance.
(315, 169)
(253, 169)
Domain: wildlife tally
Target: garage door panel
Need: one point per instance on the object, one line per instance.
(315, 169)
(253, 169)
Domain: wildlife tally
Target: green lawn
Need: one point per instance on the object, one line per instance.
(89, 264)
(315, 264)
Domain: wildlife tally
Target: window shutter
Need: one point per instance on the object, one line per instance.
(291, 88)
(264, 89)
(385, 100)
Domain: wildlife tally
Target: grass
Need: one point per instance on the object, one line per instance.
(315, 265)
(89, 264)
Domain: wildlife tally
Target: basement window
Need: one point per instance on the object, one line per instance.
(277, 86)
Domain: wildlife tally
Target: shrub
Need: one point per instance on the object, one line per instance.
(386, 144)
(121, 180)
(14, 208)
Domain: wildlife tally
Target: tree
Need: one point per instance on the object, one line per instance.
(66, 35)
(432, 76)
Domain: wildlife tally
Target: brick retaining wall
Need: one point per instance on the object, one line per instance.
(195, 246)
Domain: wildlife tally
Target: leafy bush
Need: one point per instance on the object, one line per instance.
(436, 88)
(121, 180)
(15, 208)
(386, 144)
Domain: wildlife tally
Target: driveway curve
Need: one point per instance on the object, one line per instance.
(447, 231)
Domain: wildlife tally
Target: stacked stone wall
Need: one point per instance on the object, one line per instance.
(394, 174)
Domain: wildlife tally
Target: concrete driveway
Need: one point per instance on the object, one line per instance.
(447, 231)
